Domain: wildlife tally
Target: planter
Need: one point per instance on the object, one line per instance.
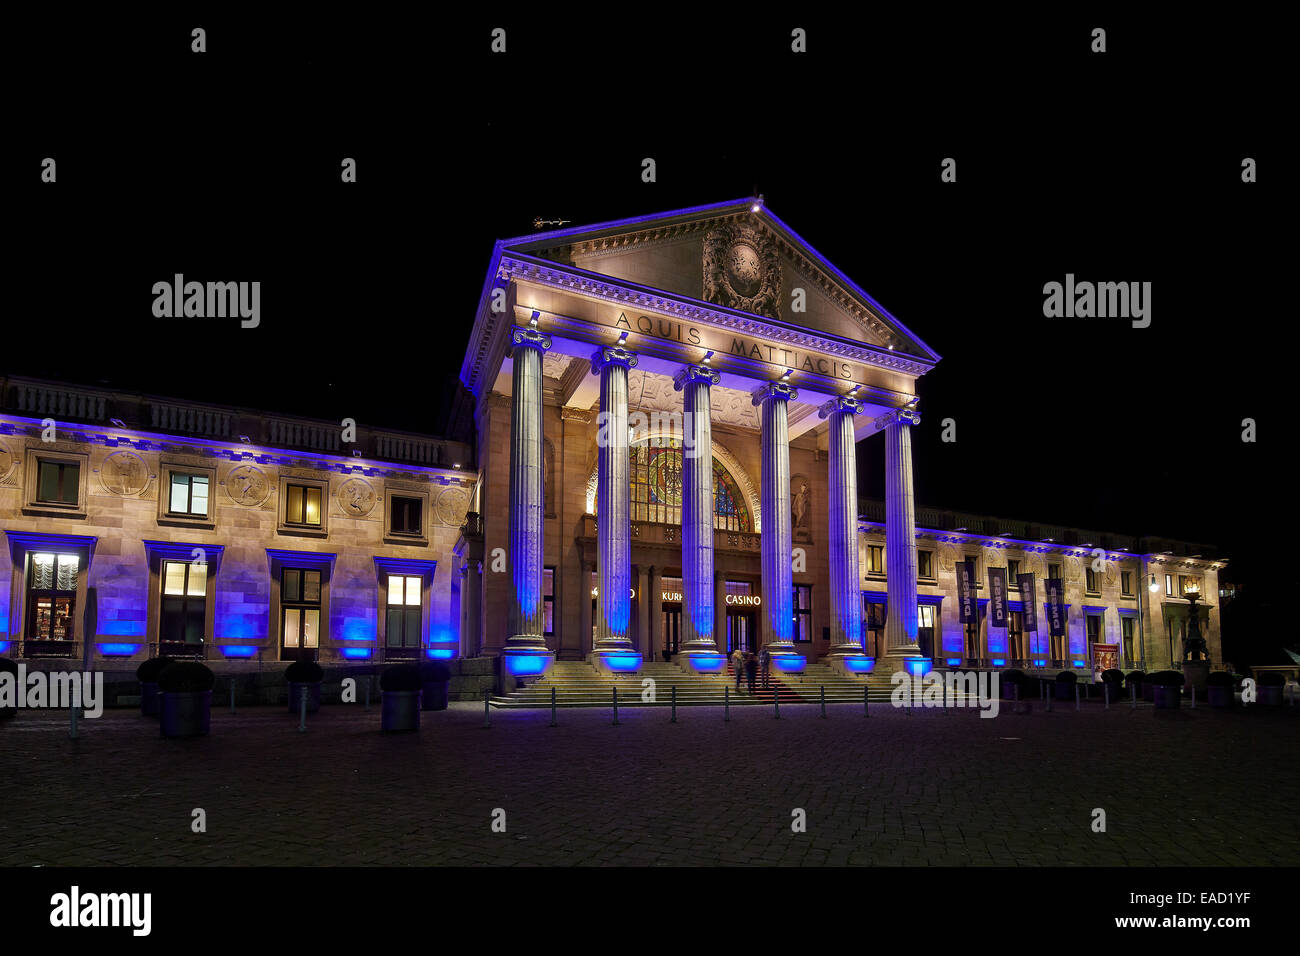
(1166, 697)
(1149, 693)
(149, 698)
(1219, 696)
(1270, 696)
(434, 696)
(1064, 690)
(400, 710)
(185, 713)
(295, 697)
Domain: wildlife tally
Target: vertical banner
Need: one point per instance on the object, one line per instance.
(1030, 597)
(966, 613)
(998, 597)
(1056, 606)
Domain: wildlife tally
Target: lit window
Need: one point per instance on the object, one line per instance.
(300, 607)
(183, 616)
(402, 620)
(803, 612)
(189, 495)
(303, 506)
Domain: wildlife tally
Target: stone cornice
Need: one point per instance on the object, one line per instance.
(580, 282)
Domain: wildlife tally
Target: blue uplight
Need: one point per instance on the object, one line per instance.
(622, 663)
(1040, 663)
(953, 662)
(1079, 664)
(122, 628)
(999, 662)
(238, 650)
(789, 663)
(526, 665)
(858, 664)
(707, 663)
(440, 653)
(918, 666)
(356, 653)
(117, 650)
(4, 647)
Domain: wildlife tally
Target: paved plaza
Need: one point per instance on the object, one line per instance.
(1196, 787)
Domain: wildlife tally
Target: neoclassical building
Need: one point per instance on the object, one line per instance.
(668, 407)
(667, 411)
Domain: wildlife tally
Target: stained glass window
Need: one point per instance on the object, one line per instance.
(656, 488)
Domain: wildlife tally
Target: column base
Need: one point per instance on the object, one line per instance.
(622, 659)
(907, 658)
(785, 659)
(850, 660)
(701, 660)
(526, 655)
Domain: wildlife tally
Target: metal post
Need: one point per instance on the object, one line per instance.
(553, 721)
(866, 702)
(72, 716)
(1105, 690)
(823, 696)
(1076, 695)
(1193, 697)
(487, 719)
(674, 704)
(368, 692)
(302, 708)
(1132, 696)
(944, 685)
(232, 694)
(1051, 696)
(615, 705)
(776, 704)
(726, 703)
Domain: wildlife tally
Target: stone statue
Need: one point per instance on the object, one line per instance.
(1194, 646)
(800, 506)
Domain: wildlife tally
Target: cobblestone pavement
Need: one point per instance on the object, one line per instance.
(1196, 787)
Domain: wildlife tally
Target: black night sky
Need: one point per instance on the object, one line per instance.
(1115, 167)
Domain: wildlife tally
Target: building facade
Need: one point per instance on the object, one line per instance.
(137, 525)
(667, 409)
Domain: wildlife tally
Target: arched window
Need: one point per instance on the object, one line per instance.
(656, 492)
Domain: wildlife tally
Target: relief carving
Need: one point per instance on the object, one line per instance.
(742, 270)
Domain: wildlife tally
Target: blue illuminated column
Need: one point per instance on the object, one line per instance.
(527, 506)
(842, 510)
(778, 580)
(900, 533)
(697, 509)
(613, 514)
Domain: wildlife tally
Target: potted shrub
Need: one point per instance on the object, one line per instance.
(1134, 679)
(304, 677)
(1269, 685)
(1012, 678)
(1065, 682)
(400, 709)
(1167, 689)
(434, 676)
(186, 705)
(147, 674)
(1114, 679)
(1219, 687)
(9, 667)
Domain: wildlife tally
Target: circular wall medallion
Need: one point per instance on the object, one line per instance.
(8, 463)
(744, 269)
(357, 497)
(124, 473)
(247, 486)
(452, 505)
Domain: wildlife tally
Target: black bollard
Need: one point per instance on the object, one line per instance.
(487, 719)
(866, 703)
(674, 704)
(553, 720)
(726, 704)
(823, 696)
(302, 708)
(615, 705)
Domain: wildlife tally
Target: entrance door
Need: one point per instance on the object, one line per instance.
(672, 630)
(741, 631)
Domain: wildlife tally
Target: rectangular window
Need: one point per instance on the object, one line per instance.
(1013, 569)
(302, 505)
(803, 612)
(1054, 571)
(1094, 628)
(1091, 585)
(58, 482)
(183, 611)
(925, 629)
(875, 559)
(300, 598)
(1169, 585)
(189, 495)
(873, 624)
(548, 601)
(51, 603)
(406, 517)
(1126, 628)
(402, 623)
(925, 564)
(1126, 583)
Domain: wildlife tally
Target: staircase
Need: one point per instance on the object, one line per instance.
(579, 684)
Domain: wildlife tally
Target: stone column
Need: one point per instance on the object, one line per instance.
(778, 579)
(584, 610)
(720, 609)
(527, 501)
(693, 382)
(900, 533)
(613, 511)
(643, 598)
(842, 511)
(656, 604)
(471, 596)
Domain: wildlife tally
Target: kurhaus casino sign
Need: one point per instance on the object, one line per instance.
(723, 343)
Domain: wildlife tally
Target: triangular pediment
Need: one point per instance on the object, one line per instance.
(736, 255)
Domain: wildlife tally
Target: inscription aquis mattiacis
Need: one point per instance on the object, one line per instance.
(674, 331)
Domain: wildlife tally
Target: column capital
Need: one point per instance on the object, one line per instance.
(779, 390)
(841, 403)
(529, 338)
(695, 373)
(608, 355)
(899, 416)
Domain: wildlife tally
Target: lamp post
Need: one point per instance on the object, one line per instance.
(1196, 655)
